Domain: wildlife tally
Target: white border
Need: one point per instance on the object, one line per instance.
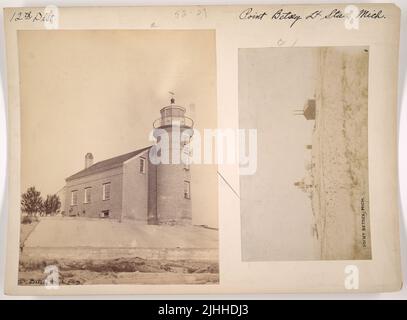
(402, 103)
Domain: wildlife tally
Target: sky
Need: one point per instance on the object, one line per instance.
(276, 215)
(99, 91)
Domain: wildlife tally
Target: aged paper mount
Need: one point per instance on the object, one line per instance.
(93, 91)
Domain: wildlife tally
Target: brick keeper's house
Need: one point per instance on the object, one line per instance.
(131, 187)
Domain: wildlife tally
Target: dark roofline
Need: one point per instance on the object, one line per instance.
(107, 164)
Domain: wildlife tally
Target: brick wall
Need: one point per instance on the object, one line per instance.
(135, 189)
(97, 204)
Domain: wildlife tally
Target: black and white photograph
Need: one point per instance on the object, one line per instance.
(310, 106)
(97, 204)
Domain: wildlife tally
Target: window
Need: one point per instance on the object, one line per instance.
(74, 197)
(104, 214)
(87, 198)
(106, 191)
(186, 157)
(167, 117)
(142, 168)
(187, 190)
(168, 113)
(185, 148)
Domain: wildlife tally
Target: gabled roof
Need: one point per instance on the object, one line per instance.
(106, 164)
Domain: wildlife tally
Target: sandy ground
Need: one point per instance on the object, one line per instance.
(83, 277)
(85, 232)
(340, 198)
(120, 271)
(69, 237)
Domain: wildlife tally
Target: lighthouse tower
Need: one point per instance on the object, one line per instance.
(173, 131)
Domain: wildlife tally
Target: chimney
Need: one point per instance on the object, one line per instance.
(88, 160)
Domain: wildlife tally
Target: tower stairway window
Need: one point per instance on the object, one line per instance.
(142, 168)
(187, 190)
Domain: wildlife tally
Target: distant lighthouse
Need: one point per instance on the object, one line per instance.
(174, 178)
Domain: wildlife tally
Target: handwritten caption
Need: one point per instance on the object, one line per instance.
(294, 18)
(46, 16)
(50, 15)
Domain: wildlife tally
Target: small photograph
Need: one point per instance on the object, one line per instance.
(109, 194)
(309, 198)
